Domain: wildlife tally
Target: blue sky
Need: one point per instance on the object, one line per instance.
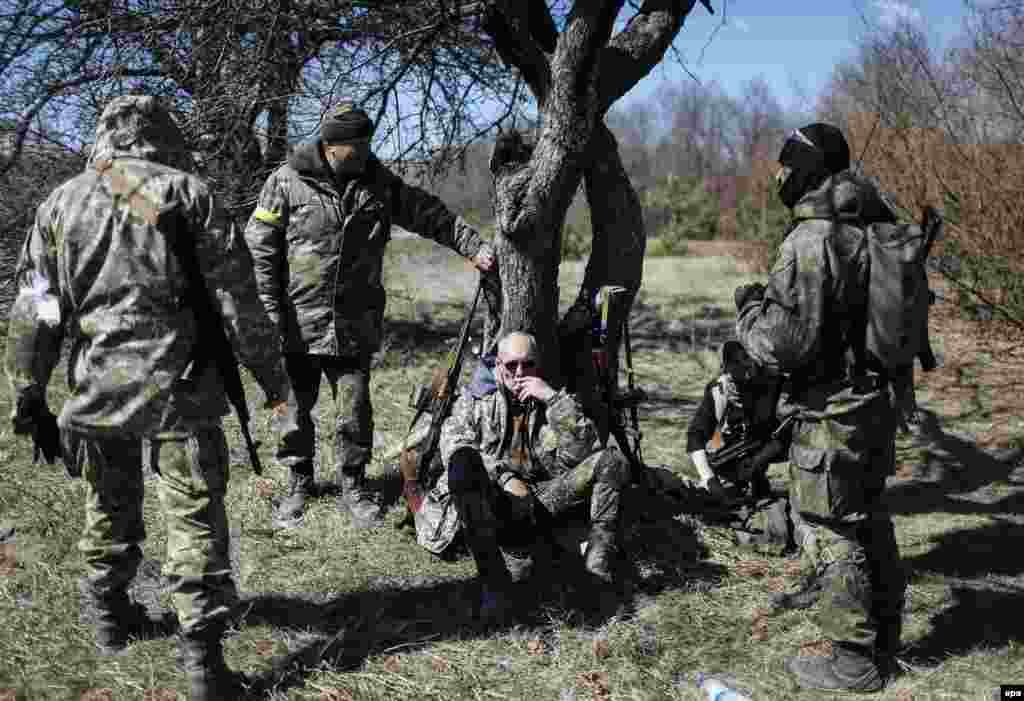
(793, 44)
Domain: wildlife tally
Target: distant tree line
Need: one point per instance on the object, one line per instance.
(940, 125)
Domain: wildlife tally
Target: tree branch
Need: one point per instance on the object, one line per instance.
(511, 25)
(634, 51)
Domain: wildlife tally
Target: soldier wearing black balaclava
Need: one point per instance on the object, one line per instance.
(802, 325)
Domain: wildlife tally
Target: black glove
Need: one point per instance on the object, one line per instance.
(746, 293)
(32, 417)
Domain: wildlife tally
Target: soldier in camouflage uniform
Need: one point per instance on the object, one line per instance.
(95, 266)
(517, 452)
(318, 235)
(805, 324)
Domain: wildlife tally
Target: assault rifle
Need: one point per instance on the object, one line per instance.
(931, 225)
(628, 439)
(744, 448)
(171, 221)
(439, 402)
(211, 325)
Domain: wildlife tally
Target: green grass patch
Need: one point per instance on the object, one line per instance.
(374, 616)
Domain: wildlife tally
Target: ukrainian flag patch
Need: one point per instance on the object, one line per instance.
(268, 216)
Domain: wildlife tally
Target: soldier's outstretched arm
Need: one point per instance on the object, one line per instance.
(418, 211)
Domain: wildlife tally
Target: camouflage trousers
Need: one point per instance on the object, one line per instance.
(838, 467)
(598, 480)
(349, 379)
(193, 480)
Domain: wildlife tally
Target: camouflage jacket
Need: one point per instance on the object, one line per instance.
(815, 298)
(560, 435)
(318, 246)
(94, 268)
(561, 438)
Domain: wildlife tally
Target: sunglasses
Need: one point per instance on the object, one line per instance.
(512, 365)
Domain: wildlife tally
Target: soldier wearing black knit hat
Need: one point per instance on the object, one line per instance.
(317, 237)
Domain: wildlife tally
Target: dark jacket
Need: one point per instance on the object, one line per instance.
(318, 244)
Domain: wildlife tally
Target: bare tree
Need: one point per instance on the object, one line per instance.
(247, 76)
(946, 129)
(575, 75)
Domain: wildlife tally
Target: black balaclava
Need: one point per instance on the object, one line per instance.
(812, 153)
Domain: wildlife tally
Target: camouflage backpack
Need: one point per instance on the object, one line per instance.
(898, 296)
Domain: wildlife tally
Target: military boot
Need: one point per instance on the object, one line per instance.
(208, 675)
(118, 620)
(289, 512)
(848, 667)
(887, 645)
(603, 549)
(481, 537)
(356, 499)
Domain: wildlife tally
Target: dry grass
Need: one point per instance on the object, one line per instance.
(373, 616)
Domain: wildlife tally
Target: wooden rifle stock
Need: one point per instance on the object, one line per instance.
(444, 397)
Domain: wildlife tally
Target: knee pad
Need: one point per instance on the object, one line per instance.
(466, 472)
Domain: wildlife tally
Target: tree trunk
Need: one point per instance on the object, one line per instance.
(575, 81)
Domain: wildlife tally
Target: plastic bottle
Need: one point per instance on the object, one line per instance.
(717, 690)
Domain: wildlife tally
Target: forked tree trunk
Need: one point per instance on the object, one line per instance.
(576, 77)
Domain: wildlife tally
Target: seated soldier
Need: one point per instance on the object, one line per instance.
(738, 405)
(517, 451)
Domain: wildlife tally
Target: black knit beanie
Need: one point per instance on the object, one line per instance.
(345, 122)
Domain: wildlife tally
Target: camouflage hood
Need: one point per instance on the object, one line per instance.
(845, 195)
(139, 126)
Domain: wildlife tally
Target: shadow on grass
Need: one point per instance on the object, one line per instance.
(977, 618)
(341, 630)
(951, 466)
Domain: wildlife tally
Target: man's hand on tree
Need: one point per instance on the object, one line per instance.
(484, 258)
(525, 388)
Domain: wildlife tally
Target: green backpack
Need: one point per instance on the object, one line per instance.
(898, 296)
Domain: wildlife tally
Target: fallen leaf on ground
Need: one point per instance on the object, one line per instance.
(392, 663)
(752, 568)
(759, 628)
(535, 646)
(264, 648)
(7, 561)
(439, 664)
(8, 695)
(336, 695)
(103, 694)
(793, 568)
(160, 695)
(596, 683)
(264, 487)
(816, 648)
(601, 648)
